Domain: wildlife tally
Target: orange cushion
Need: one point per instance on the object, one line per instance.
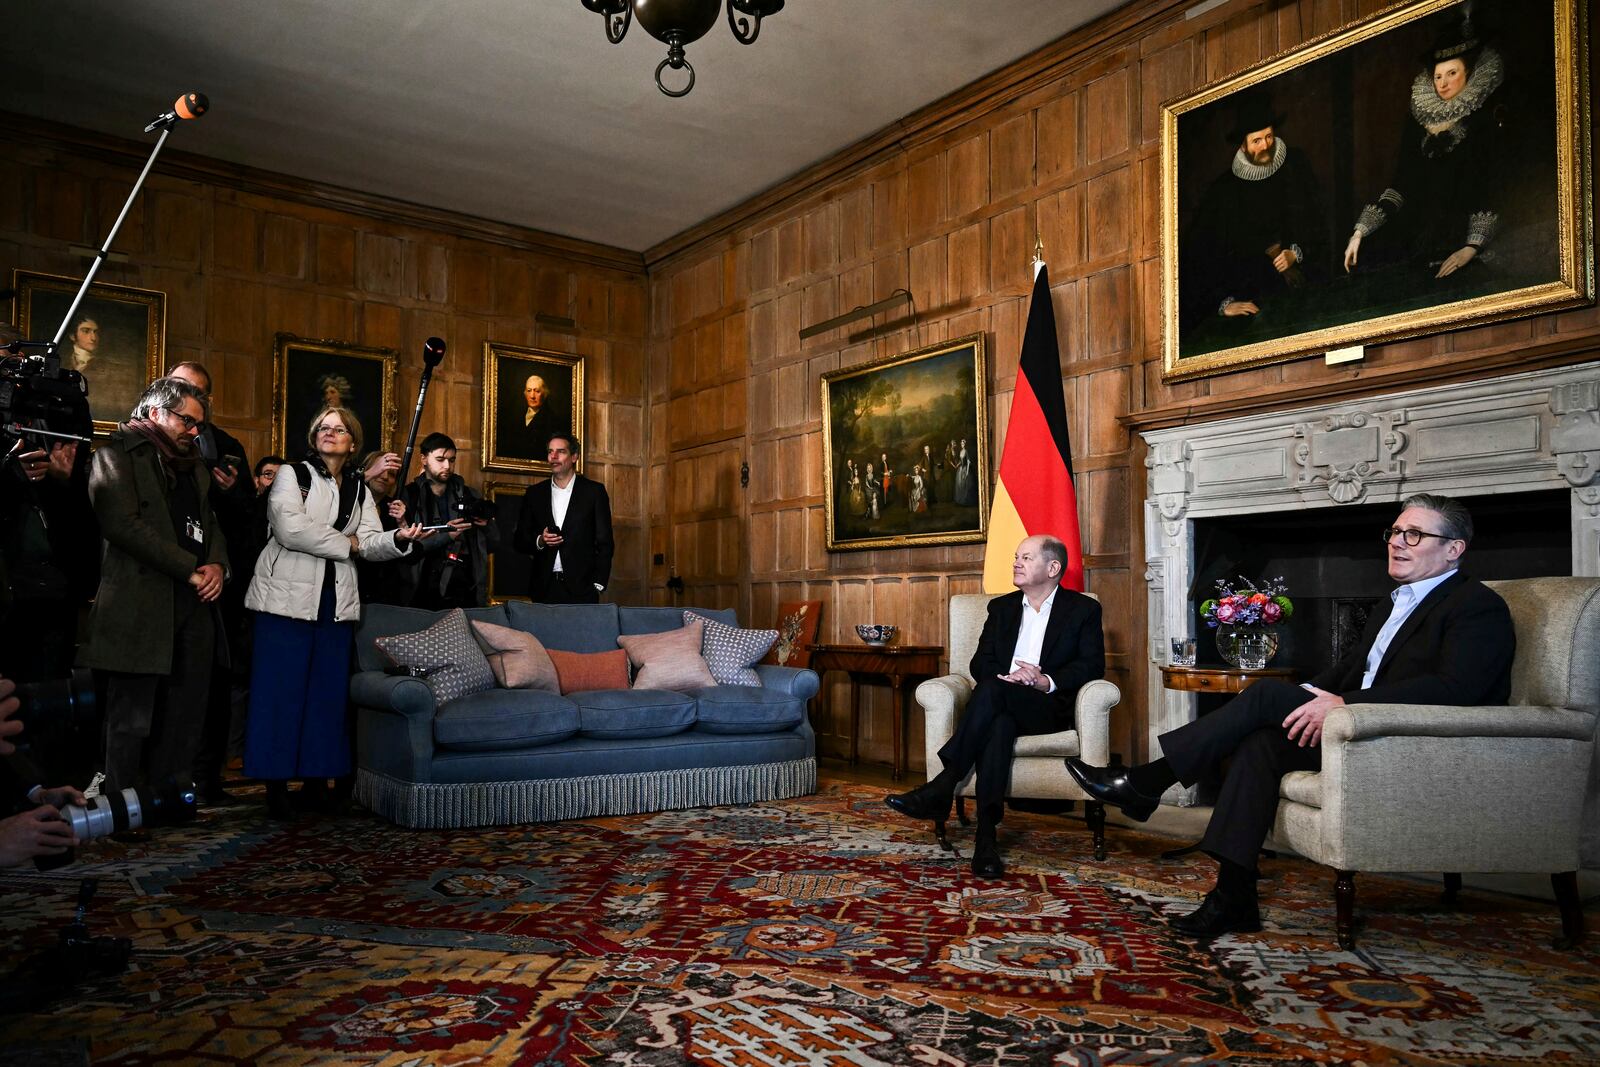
(590, 670)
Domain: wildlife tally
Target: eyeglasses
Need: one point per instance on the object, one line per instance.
(1413, 537)
(189, 422)
(337, 431)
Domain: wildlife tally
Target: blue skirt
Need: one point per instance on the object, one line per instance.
(299, 686)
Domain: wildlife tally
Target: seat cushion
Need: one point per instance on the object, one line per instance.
(731, 652)
(668, 660)
(627, 713)
(742, 709)
(504, 719)
(449, 650)
(569, 627)
(1063, 743)
(1304, 787)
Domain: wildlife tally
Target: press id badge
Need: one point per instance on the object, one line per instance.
(194, 532)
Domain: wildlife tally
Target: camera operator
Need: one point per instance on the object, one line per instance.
(153, 630)
(452, 570)
(49, 544)
(233, 502)
(36, 828)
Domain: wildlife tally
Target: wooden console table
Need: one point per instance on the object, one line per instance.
(1219, 679)
(897, 666)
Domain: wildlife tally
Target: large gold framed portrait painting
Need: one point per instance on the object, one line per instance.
(1421, 170)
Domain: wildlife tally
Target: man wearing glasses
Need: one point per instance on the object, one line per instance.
(152, 631)
(1445, 639)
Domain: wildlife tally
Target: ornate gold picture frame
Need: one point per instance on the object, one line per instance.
(117, 341)
(528, 394)
(309, 375)
(923, 418)
(1414, 172)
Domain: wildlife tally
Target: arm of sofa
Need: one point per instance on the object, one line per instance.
(942, 700)
(394, 725)
(388, 692)
(1092, 720)
(799, 682)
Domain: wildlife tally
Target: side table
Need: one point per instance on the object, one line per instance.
(1219, 679)
(897, 666)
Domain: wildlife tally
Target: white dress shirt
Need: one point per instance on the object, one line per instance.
(560, 500)
(1406, 598)
(1030, 635)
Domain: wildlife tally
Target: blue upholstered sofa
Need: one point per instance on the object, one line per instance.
(521, 755)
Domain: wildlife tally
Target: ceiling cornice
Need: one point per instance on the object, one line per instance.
(123, 152)
(993, 91)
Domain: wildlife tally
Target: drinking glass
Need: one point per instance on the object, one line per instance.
(1183, 652)
(1254, 651)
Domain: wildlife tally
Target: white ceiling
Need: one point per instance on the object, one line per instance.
(513, 110)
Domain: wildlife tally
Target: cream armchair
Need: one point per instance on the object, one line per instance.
(1483, 789)
(1037, 772)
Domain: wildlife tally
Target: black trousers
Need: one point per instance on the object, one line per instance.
(153, 721)
(1249, 729)
(559, 589)
(999, 713)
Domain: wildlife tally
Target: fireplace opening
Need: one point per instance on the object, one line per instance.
(1332, 561)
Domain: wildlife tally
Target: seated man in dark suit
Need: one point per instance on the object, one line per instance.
(1039, 646)
(1445, 639)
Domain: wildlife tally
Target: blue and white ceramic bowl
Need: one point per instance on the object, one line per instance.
(876, 633)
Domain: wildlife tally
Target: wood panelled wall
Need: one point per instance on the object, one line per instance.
(239, 266)
(1066, 144)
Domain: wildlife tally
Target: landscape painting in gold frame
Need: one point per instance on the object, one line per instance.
(1417, 171)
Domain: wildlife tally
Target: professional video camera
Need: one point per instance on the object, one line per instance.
(479, 508)
(38, 396)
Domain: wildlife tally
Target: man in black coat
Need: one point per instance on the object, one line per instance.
(1039, 646)
(565, 525)
(1445, 639)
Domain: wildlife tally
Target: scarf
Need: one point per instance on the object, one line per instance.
(174, 460)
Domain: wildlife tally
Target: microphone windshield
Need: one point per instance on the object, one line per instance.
(433, 351)
(191, 105)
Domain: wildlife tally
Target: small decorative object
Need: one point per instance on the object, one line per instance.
(876, 634)
(1243, 613)
(797, 632)
(1183, 651)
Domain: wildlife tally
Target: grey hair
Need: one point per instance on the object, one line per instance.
(1053, 548)
(165, 394)
(1456, 518)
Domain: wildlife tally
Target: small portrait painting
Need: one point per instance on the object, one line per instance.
(528, 395)
(312, 375)
(115, 339)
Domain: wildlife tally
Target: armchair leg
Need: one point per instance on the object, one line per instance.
(1094, 813)
(1565, 885)
(1452, 887)
(961, 811)
(1344, 898)
(938, 832)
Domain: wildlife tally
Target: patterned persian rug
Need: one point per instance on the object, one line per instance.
(822, 930)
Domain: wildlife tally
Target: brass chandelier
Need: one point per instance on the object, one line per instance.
(676, 23)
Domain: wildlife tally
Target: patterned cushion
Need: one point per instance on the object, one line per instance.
(518, 660)
(669, 660)
(582, 672)
(449, 647)
(730, 652)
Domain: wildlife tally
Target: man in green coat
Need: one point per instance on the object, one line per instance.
(153, 629)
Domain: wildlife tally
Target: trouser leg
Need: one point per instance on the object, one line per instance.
(130, 708)
(1198, 748)
(181, 707)
(1247, 803)
(996, 715)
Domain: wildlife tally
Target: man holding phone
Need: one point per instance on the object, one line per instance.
(565, 525)
(451, 570)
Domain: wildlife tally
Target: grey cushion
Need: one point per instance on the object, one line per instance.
(505, 718)
(384, 620)
(738, 709)
(659, 620)
(731, 652)
(568, 627)
(633, 713)
(449, 647)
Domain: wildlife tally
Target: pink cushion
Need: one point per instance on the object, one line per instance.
(517, 658)
(669, 660)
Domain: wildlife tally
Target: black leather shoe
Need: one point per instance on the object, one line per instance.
(986, 862)
(1218, 915)
(1104, 785)
(931, 801)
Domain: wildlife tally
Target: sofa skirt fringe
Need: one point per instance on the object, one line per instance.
(430, 806)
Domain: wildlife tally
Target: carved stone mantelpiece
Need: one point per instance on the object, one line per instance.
(1519, 433)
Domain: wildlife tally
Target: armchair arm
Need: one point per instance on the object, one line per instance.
(801, 682)
(401, 694)
(942, 700)
(1358, 722)
(1092, 720)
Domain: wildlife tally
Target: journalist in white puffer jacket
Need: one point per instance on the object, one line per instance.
(307, 600)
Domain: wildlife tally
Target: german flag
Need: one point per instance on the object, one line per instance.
(1034, 493)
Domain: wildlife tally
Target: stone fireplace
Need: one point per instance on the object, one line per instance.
(1530, 433)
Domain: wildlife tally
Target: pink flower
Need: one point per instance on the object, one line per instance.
(1226, 611)
(1271, 612)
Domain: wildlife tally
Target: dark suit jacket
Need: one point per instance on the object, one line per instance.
(587, 547)
(1074, 649)
(1454, 648)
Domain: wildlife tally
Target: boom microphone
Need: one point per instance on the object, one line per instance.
(187, 106)
(432, 356)
(433, 351)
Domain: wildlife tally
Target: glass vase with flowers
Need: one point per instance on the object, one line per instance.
(1245, 613)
